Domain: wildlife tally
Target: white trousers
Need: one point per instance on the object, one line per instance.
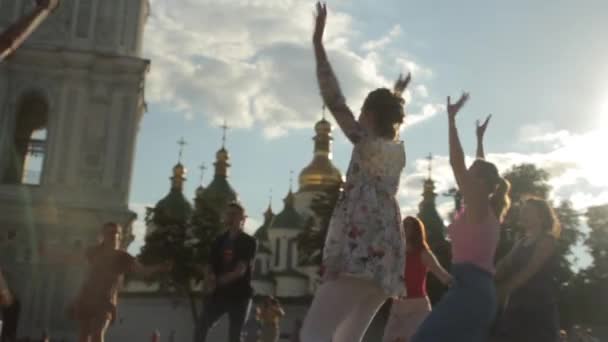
(342, 310)
(405, 318)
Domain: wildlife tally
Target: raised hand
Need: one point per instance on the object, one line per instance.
(402, 84)
(481, 129)
(320, 18)
(453, 109)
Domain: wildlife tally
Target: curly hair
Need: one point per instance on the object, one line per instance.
(388, 111)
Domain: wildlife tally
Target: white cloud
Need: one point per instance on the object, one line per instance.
(251, 62)
(428, 111)
(574, 162)
(251, 225)
(139, 226)
(382, 42)
(421, 91)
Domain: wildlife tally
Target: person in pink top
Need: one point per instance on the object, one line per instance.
(408, 311)
(467, 310)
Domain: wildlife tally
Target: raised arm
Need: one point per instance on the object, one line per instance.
(456, 153)
(544, 249)
(328, 83)
(146, 271)
(430, 261)
(503, 266)
(18, 32)
(480, 131)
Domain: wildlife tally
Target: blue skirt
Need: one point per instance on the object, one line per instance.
(466, 312)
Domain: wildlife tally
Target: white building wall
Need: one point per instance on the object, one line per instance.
(93, 86)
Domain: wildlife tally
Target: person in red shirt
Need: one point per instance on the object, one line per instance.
(408, 312)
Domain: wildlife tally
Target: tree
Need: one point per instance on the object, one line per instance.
(528, 180)
(312, 240)
(597, 219)
(592, 298)
(186, 241)
(435, 230)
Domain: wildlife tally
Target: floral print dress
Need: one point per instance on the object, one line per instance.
(365, 238)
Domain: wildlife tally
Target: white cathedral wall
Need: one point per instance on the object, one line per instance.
(263, 287)
(285, 236)
(109, 26)
(95, 103)
(291, 287)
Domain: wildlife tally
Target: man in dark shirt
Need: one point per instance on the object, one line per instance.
(228, 276)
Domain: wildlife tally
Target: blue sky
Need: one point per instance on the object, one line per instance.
(539, 67)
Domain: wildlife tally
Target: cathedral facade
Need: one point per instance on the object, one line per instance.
(279, 271)
(71, 99)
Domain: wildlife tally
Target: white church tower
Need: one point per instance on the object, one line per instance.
(71, 100)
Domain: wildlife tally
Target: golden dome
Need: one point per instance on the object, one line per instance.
(222, 155)
(323, 127)
(321, 174)
(179, 170)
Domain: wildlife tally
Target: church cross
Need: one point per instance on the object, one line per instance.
(224, 128)
(430, 167)
(202, 167)
(181, 142)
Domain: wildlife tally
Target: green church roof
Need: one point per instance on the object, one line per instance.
(288, 218)
(219, 192)
(173, 208)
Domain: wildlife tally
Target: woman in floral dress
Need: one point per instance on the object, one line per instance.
(364, 252)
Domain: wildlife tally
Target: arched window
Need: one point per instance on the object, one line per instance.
(26, 155)
(277, 253)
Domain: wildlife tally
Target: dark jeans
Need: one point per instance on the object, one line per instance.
(214, 307)
(466, 311)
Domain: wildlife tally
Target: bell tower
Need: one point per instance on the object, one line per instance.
(71, 100)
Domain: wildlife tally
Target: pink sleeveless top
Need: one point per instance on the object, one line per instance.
(475, 243)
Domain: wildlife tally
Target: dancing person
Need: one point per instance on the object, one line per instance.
(271, 314)
(467, 310)
(94, 308)
(10, 309)
(6, 298)
(526, 277)
(228, 277)
(408, 312)
(253, 326)
(364, 253)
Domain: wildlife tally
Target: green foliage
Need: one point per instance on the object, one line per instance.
(435, 229)
(589, 296)
(186, 242)
(597, 219)
(528, 180)
(312, 240)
